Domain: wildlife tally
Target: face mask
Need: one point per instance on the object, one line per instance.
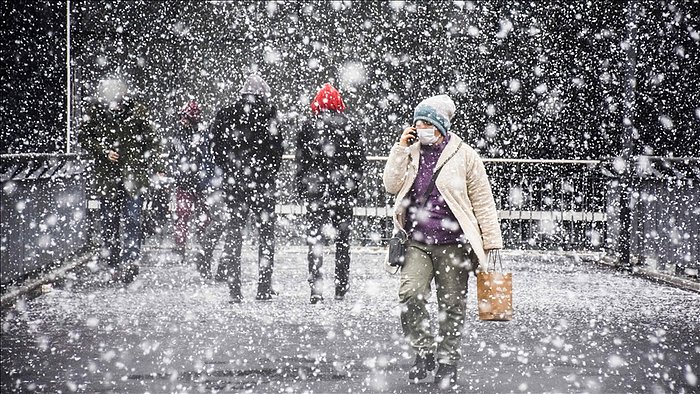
(427, 136)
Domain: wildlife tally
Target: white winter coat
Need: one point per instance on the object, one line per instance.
(463, 184)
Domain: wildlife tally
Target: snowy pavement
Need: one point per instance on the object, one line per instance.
(577, 328)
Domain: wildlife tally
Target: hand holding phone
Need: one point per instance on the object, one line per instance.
(409, 136)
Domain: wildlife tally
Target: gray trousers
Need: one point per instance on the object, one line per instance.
(449, 265)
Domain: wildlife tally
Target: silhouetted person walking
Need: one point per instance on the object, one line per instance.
(125, 148)
(247, 150)
(329, 159)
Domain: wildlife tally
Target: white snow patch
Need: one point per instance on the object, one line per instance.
(506, 27)
(666, 122)
(514, 85)
(353, 74)
(541, 88)
(397, 5)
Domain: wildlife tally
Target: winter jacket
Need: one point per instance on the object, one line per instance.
(190, 162)
(330, 156)
(246, 145)
(463, 184)
(128, 133)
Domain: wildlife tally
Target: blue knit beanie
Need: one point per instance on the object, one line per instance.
(438, 110)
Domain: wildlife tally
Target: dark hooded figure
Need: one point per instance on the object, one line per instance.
(189, 147)
(329, 158)
(117, 135)
(247, 151)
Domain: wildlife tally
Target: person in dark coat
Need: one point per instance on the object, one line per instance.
(329, 157)
(247, 149)
(190, 164)
(125, 149)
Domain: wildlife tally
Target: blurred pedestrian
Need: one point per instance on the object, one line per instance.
(330, 155)
(246, 147)
(451, 224)
(117, 134)
(190, 164)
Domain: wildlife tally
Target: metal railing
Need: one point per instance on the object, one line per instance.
(43, 212)
(543, 204)
(664, 232)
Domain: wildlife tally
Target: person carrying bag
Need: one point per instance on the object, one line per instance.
(494, 291)
(445, 209)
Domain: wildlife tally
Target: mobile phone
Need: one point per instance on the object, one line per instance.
(413, 138)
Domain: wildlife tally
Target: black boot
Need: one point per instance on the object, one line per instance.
(180, 252)
(420, 368)
(235, 294)
(446, 376)
(340, 292)
(130, 273)
(203, 265)
(221, 274)
(316, 293)
(265, 292)
(125, 274)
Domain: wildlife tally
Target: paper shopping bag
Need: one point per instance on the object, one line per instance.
(494, 294)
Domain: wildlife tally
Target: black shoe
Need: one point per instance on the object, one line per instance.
(180, 252)
(204, 270)
(126, 274)
(131, 272)
(205, 275)
(340, 293)
(446, 376)
(236, 298)
(419, 369)
(203, 266)
(220, 277)
(316, 298)
(316, 292)
(266, 295)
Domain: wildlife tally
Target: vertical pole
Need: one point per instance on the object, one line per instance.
(629, 131)
(69, 87)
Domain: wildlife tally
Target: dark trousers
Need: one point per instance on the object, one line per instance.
(190, 207)
(340, 217)
(261, 209)
(121, 211)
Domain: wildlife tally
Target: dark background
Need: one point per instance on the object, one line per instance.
(568, 62)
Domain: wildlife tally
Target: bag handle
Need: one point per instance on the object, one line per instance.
(493, 257)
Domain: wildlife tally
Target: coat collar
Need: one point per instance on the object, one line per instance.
(450, 148)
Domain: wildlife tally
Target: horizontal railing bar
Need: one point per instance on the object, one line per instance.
(663, 158)
(36, 155)
(528, 161)
(542, 161)
(570, 216)
(384, 158)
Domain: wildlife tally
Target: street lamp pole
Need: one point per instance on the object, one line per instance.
(69, 87)
(628, 137)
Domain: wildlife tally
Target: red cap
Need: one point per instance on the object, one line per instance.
(190, 111)
(327, 98)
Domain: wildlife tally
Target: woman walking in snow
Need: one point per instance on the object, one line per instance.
(451, 223)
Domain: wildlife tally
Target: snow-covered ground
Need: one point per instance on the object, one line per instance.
(578, 327)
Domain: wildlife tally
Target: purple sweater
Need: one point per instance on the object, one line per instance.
(433, 224)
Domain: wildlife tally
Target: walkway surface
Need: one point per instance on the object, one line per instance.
(578, 328)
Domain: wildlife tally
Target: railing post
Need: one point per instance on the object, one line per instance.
(628, 133)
